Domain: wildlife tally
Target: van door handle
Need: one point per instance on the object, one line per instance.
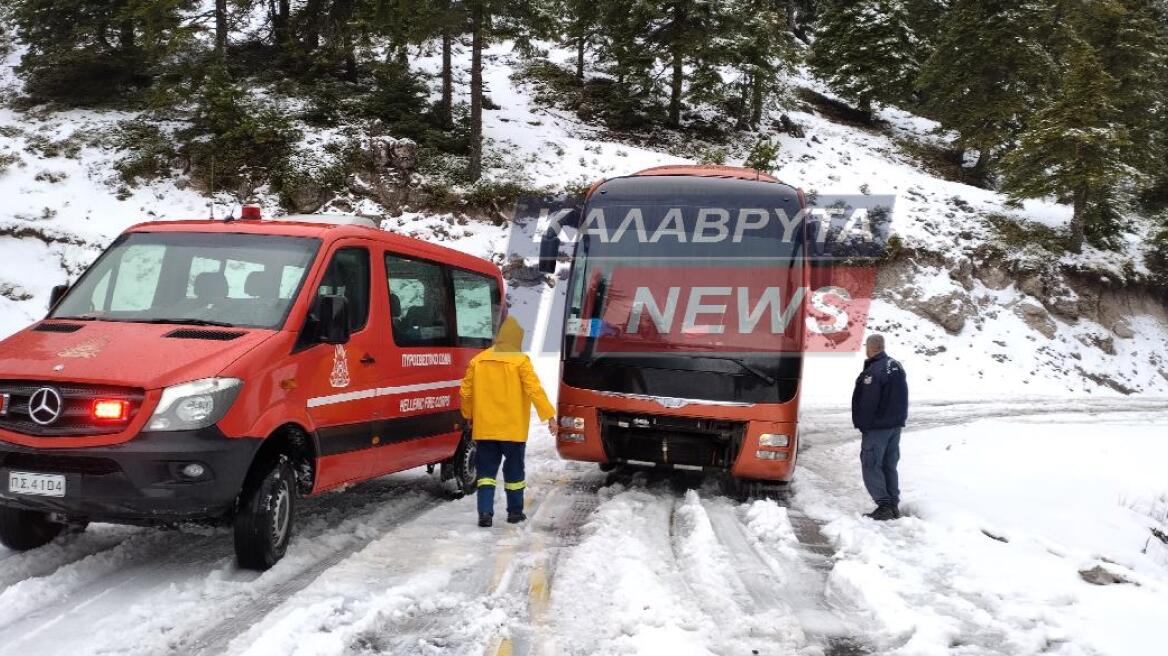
(368, 359)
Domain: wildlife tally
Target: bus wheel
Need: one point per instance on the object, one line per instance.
(21, 530)
(458, 473)
(263, 523)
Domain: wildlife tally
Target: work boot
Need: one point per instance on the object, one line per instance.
(515, 518)
(486, 520)
(895, 511)
(883, 513)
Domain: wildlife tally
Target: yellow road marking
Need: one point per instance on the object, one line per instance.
(499, 647)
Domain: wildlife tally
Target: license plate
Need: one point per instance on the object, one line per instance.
(44, 485)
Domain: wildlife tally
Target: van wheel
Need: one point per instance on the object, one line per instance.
(21, 530)
(458, 473)
(263, 523)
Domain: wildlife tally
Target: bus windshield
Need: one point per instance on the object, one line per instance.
(227, 279)
(684, 279)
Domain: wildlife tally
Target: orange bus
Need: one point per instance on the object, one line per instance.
(217, 370)
(683, 326)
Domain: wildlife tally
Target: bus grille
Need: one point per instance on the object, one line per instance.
(677, 441)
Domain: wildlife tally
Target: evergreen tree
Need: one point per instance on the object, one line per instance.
(1075, 148)
(758, 47)
(91, 51)
(867, 51)
(989, 69)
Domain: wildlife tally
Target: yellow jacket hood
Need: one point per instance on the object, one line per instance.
(510, 337)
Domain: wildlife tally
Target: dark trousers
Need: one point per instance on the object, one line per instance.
(879, 454)
(488, 455)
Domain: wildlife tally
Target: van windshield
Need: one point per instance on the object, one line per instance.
(227, 279)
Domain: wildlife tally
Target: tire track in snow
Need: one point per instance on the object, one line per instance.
(107, 596)
(793, 583)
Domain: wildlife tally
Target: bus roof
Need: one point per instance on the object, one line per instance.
(709, 171)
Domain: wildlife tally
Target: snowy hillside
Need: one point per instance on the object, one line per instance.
(962, 315)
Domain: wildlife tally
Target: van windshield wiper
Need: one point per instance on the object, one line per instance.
(188, 322)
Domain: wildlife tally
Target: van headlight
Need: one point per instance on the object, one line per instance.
(194, 405)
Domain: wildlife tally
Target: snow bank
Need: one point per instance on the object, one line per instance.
(1002, 518)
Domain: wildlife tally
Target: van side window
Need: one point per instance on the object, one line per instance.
(419, 302)
(348, 276)
(476, 308)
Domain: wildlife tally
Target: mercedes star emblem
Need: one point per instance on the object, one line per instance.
(44, 406)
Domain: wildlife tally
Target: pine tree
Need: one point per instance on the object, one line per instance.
(759, 47)
(987, 72)
(867, 51)
(1076, 148)
(91, 51)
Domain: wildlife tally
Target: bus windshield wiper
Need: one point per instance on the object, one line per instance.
(83, 317)
(188, 322)
(746, 366)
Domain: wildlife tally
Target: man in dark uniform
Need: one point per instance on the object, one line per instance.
(879, 411)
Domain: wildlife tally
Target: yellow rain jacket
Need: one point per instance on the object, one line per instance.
(499, 387)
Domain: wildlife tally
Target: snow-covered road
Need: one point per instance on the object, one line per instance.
(638, 563)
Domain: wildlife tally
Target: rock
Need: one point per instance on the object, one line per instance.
(1104, 343)
(962, 272)
(519, 273)
(1036, 317)
(993, 277)
(1122, 329)
(1033, 286)
(1065, 307)
(949, 311)
(1097, 575)
(307, 198)
(391, 153)
(790, 127)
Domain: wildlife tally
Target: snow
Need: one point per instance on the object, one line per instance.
(1002, 515)
(644, 565)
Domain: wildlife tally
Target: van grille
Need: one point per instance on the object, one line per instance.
(75, 417)
(58, 464)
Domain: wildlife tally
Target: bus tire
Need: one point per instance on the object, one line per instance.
(264, 520)
(21, 530)
(458, 473)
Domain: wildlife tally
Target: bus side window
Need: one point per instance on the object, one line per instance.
(419, 300)
(476, 308)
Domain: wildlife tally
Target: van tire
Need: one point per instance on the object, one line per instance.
(264, 520)
(458, 473)
(21, 530)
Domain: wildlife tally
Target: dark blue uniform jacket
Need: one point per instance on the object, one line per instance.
(881, 396)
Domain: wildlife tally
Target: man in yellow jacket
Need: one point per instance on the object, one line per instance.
(497, 392)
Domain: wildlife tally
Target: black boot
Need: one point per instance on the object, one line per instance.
(883, 513)
(486, 520)
(515, 518)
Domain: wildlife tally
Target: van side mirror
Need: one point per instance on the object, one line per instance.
(549, 251)
(57, 294)
(331, 315)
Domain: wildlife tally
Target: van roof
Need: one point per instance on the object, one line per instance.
(319, 227)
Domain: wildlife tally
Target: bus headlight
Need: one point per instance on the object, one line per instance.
(573, 423)
(194, 405)
(771, 455)
(774, 440)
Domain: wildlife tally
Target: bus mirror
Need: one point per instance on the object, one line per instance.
(57, 294)
(549, 251)
(332, 319)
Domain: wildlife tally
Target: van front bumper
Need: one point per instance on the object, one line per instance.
(139, 481)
